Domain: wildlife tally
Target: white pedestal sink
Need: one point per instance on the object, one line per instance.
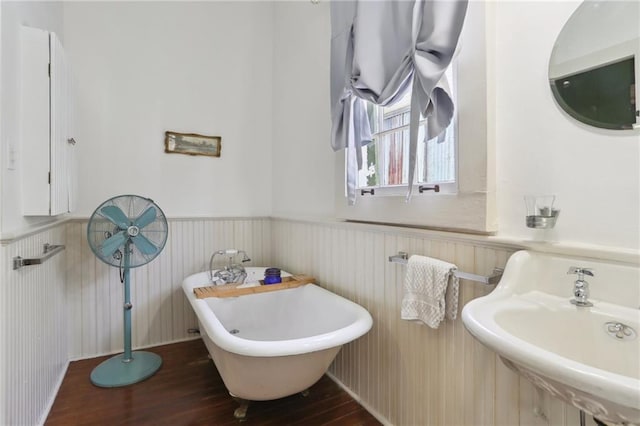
(578, 354)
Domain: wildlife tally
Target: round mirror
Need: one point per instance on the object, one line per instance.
(595, 64)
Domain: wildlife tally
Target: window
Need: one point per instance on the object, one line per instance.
(469, 204)
(385, 161)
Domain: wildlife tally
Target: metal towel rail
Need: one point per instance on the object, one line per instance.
(48, 251)
(494, 278)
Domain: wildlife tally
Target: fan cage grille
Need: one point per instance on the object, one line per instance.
(100, 228)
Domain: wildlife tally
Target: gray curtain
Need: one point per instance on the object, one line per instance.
(379, 50)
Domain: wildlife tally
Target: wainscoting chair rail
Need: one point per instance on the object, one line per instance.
(403, 258)
(48, 251)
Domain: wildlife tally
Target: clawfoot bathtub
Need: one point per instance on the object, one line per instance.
(271, 345)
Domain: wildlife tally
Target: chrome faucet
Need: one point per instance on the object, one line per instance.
(233, 272)
(581, 287)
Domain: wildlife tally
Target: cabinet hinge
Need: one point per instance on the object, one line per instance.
(49, 179)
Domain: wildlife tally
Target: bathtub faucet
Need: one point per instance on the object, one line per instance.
(232, 272)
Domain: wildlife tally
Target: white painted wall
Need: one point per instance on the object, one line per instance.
(47, 16)
(303, 173)
(193, 67)
(539, 149)
(594, 173)
(132, 85)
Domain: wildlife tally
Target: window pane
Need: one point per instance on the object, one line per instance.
(386, 160)
(372, 113)
(438, 159)
(395, 148)
(368, 175)
(394, 120)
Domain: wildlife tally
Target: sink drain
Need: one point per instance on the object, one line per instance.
(234, 331)
(619, 330)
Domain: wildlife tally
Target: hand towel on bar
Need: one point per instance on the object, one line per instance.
(430, 291)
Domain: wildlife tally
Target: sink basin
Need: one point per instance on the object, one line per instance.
(588, 357)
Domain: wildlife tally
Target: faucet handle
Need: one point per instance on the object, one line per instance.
(581, 272)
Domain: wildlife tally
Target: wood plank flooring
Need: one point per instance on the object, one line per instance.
(188, 390)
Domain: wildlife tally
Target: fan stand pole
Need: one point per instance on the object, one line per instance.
(129, 367)
(127, 357)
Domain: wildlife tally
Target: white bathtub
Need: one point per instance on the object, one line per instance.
(283, 341)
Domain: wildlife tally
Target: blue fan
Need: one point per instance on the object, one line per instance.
(127, 231)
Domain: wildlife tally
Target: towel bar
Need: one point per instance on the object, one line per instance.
(403, 258)
(48, 251)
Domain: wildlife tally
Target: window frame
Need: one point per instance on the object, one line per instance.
(471, 207)
(401, 190)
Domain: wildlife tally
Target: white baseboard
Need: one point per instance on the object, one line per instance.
(356, 397)
(54, 394)
(153, 345)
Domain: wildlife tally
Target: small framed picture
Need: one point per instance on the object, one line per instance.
(192, 144)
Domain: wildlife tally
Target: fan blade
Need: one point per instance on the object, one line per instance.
(116, 216)
(144, 245)
(111, 244)
(146, 218)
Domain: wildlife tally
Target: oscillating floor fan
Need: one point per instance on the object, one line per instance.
(127, 231)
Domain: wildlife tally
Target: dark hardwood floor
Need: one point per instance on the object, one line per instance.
(188, 390)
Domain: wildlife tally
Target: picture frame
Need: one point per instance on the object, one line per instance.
(192, 144)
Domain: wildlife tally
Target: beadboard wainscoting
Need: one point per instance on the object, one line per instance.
(35, 332)
(403, 372)
(161, 314)
(406, 374)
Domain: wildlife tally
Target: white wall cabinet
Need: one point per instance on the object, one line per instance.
(46, 123)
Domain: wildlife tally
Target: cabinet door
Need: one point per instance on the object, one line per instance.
(34, 121)
(60, 145)
(48, 160)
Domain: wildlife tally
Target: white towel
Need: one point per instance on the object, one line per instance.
(430, 291)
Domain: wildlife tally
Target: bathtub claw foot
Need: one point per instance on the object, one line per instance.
(305, 393)
(241, 412)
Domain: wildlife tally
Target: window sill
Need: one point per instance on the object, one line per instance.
(468, 212)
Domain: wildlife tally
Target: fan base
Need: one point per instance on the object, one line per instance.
(114, 372)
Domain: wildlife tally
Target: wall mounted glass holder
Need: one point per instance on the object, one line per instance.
(541, 213)
(403, 258)
(543, 221)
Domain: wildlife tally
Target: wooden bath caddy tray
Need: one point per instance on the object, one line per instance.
(232, 290)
